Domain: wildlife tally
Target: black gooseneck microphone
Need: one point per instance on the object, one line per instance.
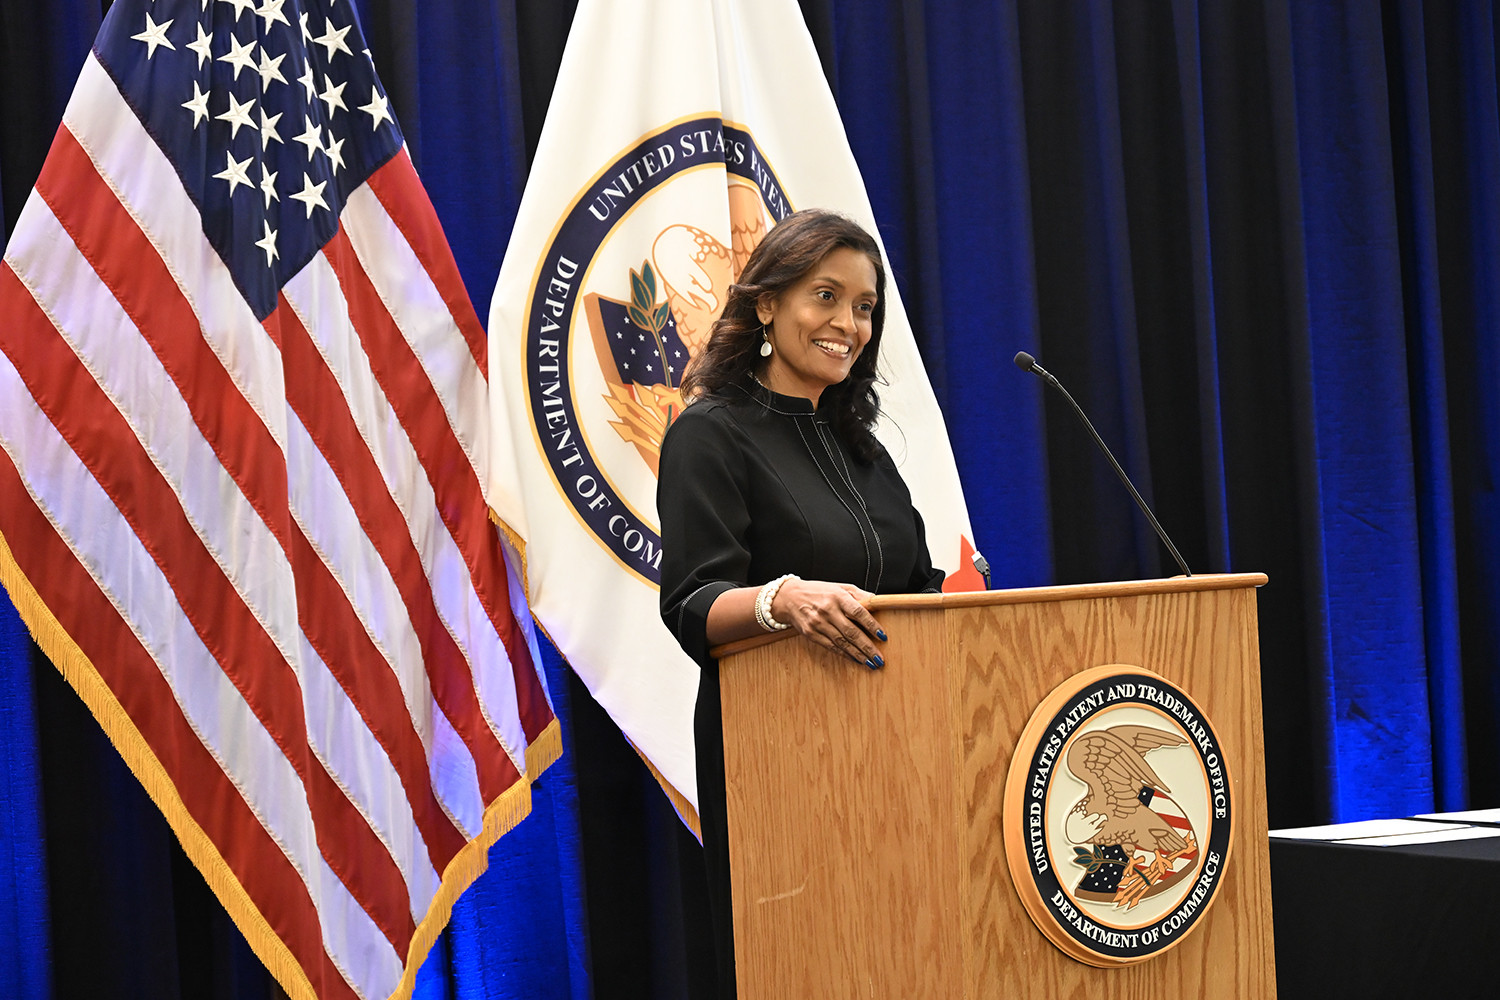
(1027, 363)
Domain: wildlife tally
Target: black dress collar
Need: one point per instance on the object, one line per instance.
(797, 406)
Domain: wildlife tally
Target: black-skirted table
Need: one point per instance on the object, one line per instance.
(1414, 920)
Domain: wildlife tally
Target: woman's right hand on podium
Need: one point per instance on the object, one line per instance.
(832, 615)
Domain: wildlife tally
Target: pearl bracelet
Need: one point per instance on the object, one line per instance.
(763, 604)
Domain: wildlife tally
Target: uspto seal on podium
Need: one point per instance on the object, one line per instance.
(1118, 816)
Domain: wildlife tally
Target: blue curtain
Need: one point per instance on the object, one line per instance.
(1259, 242)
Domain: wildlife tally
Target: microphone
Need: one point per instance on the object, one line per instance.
(1027, 363)
(983, 566)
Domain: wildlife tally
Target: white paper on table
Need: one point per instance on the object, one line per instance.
(1429, 837)
(1467, 816)
(1362, 829)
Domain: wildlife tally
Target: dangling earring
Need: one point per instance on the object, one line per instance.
(765, 343)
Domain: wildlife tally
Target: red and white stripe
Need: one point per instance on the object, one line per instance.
(1176, 817)
(270, 539)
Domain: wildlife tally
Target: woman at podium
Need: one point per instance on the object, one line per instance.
(779, 508)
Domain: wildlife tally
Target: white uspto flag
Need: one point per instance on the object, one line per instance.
(679, 132)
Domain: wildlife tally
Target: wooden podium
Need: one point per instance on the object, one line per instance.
(865, 807)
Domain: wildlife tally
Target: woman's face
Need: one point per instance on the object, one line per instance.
(819, 326)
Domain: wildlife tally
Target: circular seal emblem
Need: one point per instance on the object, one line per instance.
(623, 298)
(1118, 816)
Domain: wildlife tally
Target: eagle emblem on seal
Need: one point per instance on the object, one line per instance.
(644, 344)
(1129, 836)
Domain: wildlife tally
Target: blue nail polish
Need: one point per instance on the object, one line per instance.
(880, 634)
(879, 662)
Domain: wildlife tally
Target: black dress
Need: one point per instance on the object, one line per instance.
(754, 485)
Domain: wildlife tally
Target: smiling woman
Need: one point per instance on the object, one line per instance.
(779, 508)
(815, 330)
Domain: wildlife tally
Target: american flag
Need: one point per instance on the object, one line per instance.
(243, 447)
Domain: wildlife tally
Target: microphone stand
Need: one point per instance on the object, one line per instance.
(1027, 363)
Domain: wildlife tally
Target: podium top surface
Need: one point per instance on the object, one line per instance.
(1030, 595)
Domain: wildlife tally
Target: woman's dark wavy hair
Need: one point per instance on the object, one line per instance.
(793, 248)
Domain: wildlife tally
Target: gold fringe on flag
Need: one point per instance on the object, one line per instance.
(79, 671)
(502, 815)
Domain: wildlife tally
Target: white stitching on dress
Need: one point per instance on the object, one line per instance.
(682, 608)
(837, 454)
(865, 541)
